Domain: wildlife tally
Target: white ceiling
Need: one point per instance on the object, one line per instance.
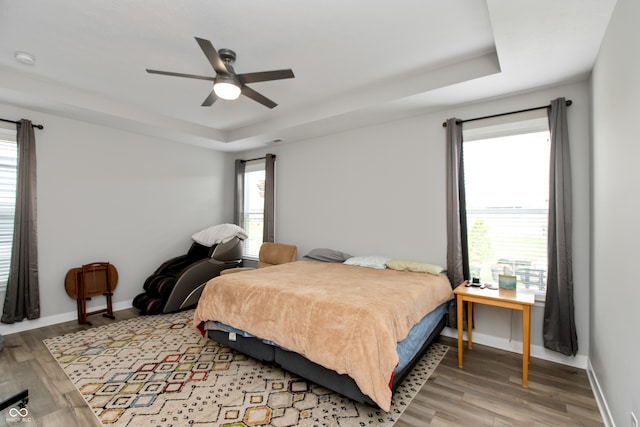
(356, 62)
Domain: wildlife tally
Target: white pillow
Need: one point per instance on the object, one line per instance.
(373, 261)
(219, 234)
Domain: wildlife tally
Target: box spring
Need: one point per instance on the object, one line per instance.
(299, 365)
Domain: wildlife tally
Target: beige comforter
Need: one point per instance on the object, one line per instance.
(345, 318)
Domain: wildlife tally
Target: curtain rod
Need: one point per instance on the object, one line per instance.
(568, 103)
(17, 123)
(257, 158)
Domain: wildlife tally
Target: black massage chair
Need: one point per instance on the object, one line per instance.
(178, 283)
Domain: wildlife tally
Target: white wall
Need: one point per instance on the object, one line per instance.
(615, 336)
(381, 190)
(110, 195)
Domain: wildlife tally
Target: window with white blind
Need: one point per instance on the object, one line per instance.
(254, 181)
(506, 178)
(8, 168)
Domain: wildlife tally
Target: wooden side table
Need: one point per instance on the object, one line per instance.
(508, 298)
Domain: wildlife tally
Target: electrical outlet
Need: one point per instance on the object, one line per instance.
(634, 420)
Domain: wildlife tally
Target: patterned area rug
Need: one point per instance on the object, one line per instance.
(159, 371)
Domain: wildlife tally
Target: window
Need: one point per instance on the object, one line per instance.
(8, 167)
(506, 174)
(254, 180)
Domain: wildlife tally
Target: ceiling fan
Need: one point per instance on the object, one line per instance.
(227, 84)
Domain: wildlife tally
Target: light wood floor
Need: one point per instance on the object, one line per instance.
(486, 392)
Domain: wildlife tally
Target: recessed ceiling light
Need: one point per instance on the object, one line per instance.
(25, 58)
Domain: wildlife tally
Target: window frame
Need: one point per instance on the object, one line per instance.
(8, 137)
(252, 166)
(522, 123)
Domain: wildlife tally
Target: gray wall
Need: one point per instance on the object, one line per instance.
(381, 190)
(109, 195)
(615, 338)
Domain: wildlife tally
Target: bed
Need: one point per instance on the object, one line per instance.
(352, 329)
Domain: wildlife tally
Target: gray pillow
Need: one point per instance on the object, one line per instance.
(326, 255)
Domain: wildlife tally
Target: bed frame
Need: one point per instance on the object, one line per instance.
(300, 365)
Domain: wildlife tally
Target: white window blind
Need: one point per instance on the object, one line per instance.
(254, 179)
(506, 173)
(8, 167)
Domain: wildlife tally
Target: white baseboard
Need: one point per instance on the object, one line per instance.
(540, 352)
(25, 325)
(607, 418)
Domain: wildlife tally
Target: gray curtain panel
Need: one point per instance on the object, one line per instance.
(457, 254)
(238, 191)
(23, 296)
(269, 199)
(559, 328)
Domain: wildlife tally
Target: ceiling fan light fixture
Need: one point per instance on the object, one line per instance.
(226, 88)
(227, 84)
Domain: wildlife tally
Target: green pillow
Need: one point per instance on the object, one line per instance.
(415, 266)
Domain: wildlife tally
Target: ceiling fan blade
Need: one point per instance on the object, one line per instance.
(250, 93)
(212, 55)
(189, 76)
(264, 76)
(210, 99)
